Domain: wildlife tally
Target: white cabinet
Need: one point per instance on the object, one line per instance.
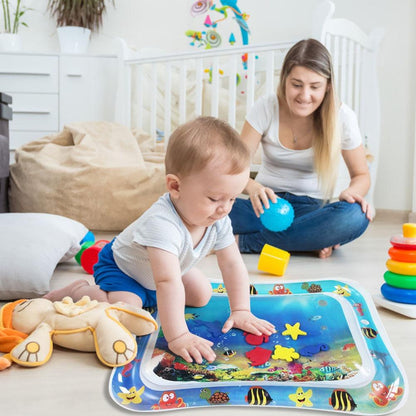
(87, 87)
(50, 91)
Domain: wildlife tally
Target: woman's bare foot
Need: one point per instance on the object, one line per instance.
(59, 294)
(327, 251)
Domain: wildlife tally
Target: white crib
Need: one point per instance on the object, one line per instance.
(159, 91)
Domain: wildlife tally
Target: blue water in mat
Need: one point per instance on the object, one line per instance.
(317, 325)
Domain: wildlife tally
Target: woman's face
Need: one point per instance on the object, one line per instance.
(305, 91)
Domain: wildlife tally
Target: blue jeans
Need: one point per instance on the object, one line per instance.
(314, 227)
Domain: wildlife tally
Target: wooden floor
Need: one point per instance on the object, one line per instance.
(76, 383)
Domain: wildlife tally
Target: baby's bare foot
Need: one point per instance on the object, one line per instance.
(59, 294)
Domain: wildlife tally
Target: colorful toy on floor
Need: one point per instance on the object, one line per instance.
(399, 290)
(88, 255)
(87, 241)
(328, 354)
(279, 216)
(29, 328)
(273, 260)
(88, 237)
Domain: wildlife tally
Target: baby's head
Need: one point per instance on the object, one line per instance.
(207, 167)
(193, 145)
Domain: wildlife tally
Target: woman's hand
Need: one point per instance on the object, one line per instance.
(260, 196)
(349, 196)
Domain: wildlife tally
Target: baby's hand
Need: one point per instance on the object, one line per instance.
(190, 346)
(246, 321)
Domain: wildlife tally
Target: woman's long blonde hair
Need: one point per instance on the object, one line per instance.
(313, 55)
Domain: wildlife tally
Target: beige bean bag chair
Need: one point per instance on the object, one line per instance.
(92, 172)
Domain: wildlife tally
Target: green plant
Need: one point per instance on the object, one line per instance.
(83, 13)
(11, 25)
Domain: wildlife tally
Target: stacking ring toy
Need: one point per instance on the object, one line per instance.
(400, 280)
(400, 254)
(399, 295)
(400, 267)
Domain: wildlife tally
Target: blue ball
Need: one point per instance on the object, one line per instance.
(279, 216)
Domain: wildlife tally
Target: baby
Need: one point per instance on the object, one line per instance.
(152, 262)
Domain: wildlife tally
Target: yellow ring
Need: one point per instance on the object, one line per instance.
(401, 267)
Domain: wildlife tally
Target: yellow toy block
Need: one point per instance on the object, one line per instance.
(273, 260)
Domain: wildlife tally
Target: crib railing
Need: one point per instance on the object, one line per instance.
(160, 92)
(354, 58)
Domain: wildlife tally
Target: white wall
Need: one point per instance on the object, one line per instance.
(161, 24)
(397, 93)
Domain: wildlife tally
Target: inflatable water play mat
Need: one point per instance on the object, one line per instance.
(330, 352)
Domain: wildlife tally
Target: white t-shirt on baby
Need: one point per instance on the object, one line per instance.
(161, 227)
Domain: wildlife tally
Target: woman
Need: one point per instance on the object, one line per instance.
(303, 131)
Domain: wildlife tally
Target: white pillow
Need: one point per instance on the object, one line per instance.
(31, 245)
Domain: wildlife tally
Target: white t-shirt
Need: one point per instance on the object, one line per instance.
(288, 170)
(161, 227)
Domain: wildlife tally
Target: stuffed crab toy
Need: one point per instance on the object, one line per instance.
(29, 328)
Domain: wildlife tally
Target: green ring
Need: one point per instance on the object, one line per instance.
(84, 246)
(403, 281)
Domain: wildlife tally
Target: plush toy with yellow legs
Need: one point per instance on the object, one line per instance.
(29, 328)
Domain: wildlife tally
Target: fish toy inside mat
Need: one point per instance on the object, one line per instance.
(330, 352)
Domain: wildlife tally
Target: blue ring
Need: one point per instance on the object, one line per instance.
(399, 295)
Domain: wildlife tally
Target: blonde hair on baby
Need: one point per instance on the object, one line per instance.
(198, 142)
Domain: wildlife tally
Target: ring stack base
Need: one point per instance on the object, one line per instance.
(402, 308)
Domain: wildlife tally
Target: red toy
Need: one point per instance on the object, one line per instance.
(258, 356)
(88, 255)
(255, 339)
